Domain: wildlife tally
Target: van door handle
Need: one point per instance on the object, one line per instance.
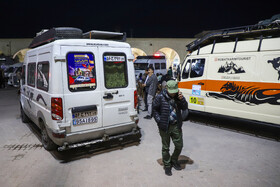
(108, 96)
(115, 92)
(200, 83)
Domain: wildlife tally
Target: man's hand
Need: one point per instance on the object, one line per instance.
(180, 95)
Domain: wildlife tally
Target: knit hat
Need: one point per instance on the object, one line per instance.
(172, 86)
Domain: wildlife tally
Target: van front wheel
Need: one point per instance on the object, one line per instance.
(46, 141)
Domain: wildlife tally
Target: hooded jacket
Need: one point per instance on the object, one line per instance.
(161, 110)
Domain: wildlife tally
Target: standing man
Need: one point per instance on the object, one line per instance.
(151, 89)
(169, 72)
(2, 78)
(167, 108)
(145, 89)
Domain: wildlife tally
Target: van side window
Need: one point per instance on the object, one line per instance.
(157, 66)
(115, 70)
(81, 71)
(197, 67)
(186, 70)
(162, 65)
(43, 76)
(23, 75)
(31, 68)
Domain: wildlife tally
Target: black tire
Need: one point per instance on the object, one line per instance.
(48, 144)
(23, 116)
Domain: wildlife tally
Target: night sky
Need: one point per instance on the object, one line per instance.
(143, 18)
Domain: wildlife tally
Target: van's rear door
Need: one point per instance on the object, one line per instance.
(119, 86)
(82, 96)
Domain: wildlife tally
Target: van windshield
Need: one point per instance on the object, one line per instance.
(81, 71)
(140, 66)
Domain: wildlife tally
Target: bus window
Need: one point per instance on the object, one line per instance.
(140, 66)
(157, 66)
(162, 65)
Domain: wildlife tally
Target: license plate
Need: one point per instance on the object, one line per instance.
(81, 121)
(84, 114)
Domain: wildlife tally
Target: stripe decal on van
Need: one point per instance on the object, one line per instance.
(251, 93)
(39, 96)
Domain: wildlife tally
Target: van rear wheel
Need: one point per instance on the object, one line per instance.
(46, 141)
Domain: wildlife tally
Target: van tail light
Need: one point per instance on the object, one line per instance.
(135, 99)
(57, 109)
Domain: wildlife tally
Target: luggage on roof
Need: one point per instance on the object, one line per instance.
(47, 36)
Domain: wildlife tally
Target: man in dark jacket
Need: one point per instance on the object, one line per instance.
(151, 89)
(145, 79)
(167, 108)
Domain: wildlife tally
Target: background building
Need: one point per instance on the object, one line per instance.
(174, 49)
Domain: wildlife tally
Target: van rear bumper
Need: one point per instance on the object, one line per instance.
(106, 137)
(92, 134)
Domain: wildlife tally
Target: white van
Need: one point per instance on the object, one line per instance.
(79, 91)
(143, 62)
(235, 72)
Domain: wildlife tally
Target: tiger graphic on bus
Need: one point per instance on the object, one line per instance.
(250, 95)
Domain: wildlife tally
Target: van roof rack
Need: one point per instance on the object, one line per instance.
(271, 29)
(150, 57)
(94, 34)
(46, 36)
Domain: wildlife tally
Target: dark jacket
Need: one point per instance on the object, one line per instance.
(151, 85)
(161, 110)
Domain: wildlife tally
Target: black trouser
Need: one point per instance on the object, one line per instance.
(2, 83)
(176, 135)
(146, 100)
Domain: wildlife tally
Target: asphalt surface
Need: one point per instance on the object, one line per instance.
(214, 154)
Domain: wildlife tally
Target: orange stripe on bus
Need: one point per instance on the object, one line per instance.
(216, 85)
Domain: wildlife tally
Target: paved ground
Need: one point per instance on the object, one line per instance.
(220, 157)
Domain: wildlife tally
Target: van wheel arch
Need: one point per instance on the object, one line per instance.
(48, 144)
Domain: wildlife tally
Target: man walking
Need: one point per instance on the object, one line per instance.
(151, 89)
(167, 108)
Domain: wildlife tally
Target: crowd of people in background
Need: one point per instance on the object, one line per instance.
(155, 88)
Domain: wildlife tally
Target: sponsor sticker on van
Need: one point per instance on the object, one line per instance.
(81, 70)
